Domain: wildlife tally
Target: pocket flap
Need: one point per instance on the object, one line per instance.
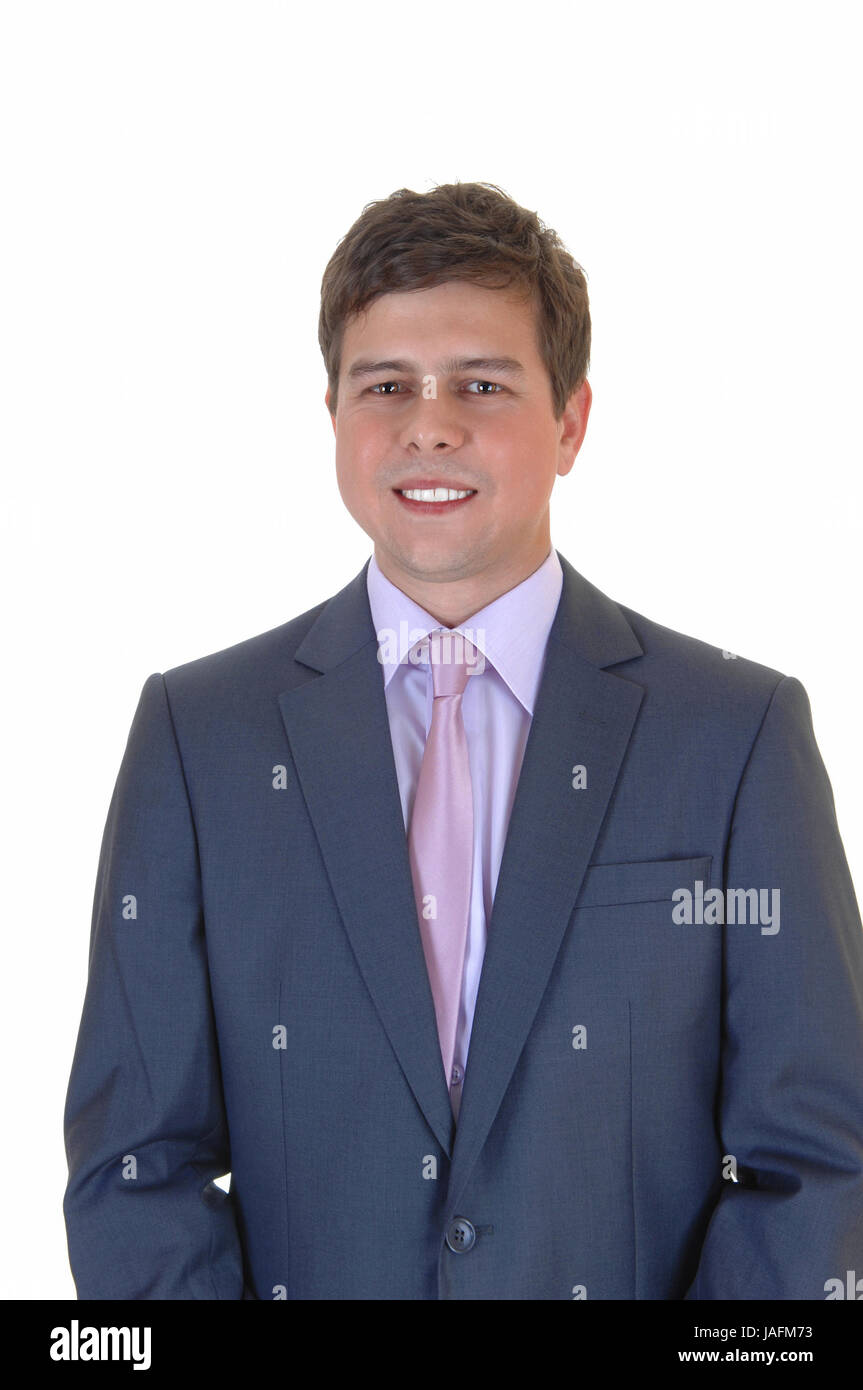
(651, 880)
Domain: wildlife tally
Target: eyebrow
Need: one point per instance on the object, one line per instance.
(504, 366)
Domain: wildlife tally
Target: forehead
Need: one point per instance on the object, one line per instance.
(456, 317)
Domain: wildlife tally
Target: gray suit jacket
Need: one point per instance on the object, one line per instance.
(653, 1108)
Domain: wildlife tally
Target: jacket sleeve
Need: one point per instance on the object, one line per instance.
(791, 1101)
(144, 1122)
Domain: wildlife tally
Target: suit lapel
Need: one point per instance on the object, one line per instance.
(584, 715)
(339, 734)
(340, 741)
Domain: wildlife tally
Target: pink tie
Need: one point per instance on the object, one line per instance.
(440, 840)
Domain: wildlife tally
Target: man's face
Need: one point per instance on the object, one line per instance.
(426, 400)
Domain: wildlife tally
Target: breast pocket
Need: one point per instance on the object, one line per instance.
(647, 881)
(627, 940)
(630, 983)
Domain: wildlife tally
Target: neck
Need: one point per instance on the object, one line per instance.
(452, 601)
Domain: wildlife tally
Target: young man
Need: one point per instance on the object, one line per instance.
(498, 939)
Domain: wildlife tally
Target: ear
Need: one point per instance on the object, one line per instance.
(573, 426)
(327, 404)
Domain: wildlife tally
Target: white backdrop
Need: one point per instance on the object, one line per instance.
(175, 177)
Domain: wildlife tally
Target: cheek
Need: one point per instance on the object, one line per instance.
(524, 466)
(358, 456)
(528, 458)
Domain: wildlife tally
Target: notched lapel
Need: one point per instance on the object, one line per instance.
(340, 742)
(584, 715)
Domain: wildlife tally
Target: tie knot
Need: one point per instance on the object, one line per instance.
(452, 658)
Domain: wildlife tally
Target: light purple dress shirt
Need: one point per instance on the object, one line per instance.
(498, 705)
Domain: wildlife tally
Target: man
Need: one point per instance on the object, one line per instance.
(498, 939)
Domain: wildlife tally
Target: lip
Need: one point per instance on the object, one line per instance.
(419, 484)
(432, 508)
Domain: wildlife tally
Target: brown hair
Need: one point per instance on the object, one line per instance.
(460, 231)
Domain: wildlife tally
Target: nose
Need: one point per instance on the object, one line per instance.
(431, 424)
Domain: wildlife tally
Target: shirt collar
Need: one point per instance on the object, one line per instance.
(511, 631)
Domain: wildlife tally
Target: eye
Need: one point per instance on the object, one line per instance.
(496, 388)
(377, 388)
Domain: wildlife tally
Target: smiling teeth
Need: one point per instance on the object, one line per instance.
(435, 494)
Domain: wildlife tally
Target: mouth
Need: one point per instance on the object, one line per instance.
(434, 499)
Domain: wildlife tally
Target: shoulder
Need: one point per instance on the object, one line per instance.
(257, 664)
(698, 680)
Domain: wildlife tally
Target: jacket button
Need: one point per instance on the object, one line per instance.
(460, 1235)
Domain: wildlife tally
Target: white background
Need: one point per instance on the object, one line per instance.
(174, 179)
